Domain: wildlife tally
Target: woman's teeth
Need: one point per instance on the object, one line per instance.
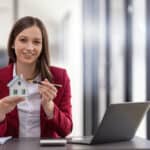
(28, 53)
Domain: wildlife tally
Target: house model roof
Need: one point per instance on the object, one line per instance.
(15, 79)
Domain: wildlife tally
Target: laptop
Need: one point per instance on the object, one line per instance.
(119, 123)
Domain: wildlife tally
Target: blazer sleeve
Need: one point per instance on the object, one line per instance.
(62, 119)
(3, 128)
(3, 124)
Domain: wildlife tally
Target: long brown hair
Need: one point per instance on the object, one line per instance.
(43, 62)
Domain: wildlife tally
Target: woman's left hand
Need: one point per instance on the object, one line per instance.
(48, 92)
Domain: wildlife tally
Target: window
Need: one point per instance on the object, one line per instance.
(15, 91)
(19, 82)
(23, 91)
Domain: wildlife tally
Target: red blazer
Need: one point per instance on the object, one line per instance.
(60, 125)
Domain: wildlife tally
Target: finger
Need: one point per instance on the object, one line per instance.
(13, 99)
(49, 94)
(7, 105)
(47, 91)
(4, 107)
(49, 85)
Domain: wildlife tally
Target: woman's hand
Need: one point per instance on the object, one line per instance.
(7, 104)
(48, 92)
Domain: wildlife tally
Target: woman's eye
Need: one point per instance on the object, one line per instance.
(23, 40)
(37, 42)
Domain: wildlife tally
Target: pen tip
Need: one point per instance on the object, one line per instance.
(34, 81)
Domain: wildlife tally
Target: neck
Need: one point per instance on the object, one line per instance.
(27, 70)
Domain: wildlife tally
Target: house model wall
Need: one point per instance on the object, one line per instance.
(17, 86)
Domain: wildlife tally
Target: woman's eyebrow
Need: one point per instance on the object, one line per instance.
(35, 38)
(22, 36)
(39, 39)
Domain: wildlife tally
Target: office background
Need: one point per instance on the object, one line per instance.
(103, 44)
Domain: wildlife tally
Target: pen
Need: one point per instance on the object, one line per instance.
(39, 82)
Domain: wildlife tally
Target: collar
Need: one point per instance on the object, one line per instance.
(37, 78)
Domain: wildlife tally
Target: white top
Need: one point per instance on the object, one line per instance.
(29, 111)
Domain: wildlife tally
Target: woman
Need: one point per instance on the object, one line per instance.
(46, 112)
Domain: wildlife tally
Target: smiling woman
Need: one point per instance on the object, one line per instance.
(46, 111)
(28, 46)
(30, 35)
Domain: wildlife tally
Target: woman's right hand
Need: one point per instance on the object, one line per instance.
(7, 104)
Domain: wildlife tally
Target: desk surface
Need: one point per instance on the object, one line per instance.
(33, 144)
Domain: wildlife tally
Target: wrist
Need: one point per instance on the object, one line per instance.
(50, 110)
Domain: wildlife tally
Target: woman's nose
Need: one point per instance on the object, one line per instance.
(30, 46)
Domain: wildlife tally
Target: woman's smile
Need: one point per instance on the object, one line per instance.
(28, 53)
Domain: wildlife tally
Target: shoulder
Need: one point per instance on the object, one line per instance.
(5, 77)
(6, 72)
(58, 73)
(56, 70)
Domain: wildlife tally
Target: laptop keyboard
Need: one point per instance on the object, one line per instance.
(83, 139)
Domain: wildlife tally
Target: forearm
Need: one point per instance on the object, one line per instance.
(2, 111)
(61, 122)
(49, 110)
(3, 122)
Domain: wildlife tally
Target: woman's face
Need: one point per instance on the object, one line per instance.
(28, 45)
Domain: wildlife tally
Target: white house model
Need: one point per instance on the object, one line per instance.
(17, 86)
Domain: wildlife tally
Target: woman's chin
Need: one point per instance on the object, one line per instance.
(27, 62)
